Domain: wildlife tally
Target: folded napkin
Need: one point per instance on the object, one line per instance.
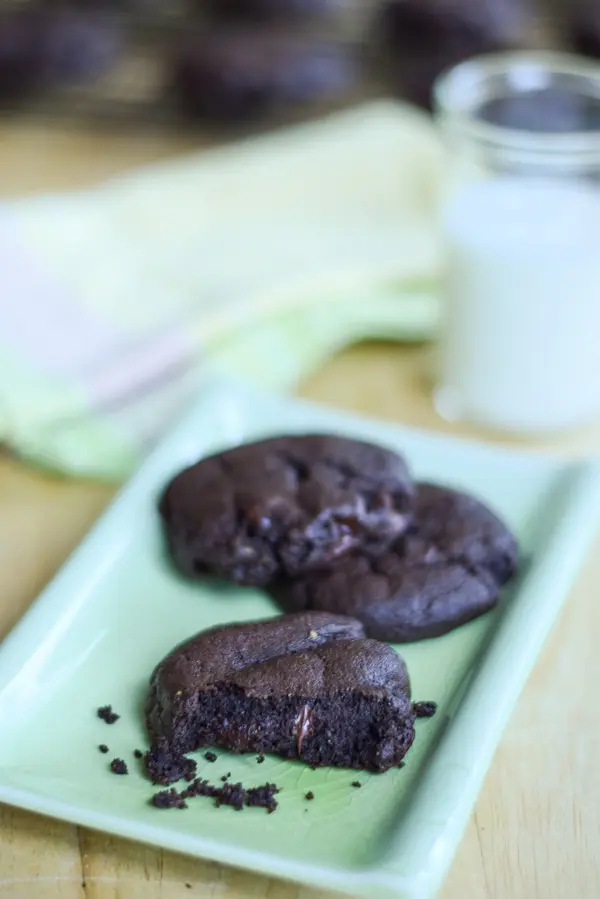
(260, 260)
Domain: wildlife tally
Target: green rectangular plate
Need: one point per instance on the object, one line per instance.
(116, 608)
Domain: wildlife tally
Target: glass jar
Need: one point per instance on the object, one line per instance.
(520, 345)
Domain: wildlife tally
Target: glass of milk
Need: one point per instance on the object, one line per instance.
(520, 345)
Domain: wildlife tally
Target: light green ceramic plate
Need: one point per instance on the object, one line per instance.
(116, 608)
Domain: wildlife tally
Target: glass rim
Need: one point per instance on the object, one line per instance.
(458, 93)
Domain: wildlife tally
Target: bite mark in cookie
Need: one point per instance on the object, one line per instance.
(272, 687)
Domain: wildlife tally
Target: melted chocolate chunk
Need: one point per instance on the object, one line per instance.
(446, 571)
(284, 506)
(302, 726)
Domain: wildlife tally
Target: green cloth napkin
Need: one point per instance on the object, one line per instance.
(259, 260)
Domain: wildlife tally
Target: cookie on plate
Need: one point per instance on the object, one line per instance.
(445, 572)
(283, 506)
(306, 686)
(395, 600)
(462, 528)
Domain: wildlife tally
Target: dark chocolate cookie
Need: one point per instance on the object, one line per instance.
(461, 528)
(417, 40)
(76, 45)
(20, 68)
(396, 600)
(270, 10)
(235, 77)
(284, 506)
(305, 686)
(445, 572)
(582, 27)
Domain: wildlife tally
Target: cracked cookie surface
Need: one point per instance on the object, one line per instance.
(284, 506)
(446, 571)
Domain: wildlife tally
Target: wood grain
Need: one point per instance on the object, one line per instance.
(534, 834)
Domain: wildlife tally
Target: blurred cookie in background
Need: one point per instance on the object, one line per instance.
(239, 76)
(416, 40)
(40, 47)
(20, 70)
(582, 23)
(272, 10)
(76, 45)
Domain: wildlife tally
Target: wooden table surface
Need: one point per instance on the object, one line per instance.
(535, 832)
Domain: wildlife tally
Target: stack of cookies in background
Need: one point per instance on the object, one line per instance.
(254, 61)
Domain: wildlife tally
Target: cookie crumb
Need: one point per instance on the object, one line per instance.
(118, 766)
(138, 753)
(260, 759)
(168, 799)
(210, 756)
(199, 787)
(356, 783)
(166, 766)
(309, 795)
(263, 797)
(424, 709)
(103, 747)
(233, 795)
(106, 714)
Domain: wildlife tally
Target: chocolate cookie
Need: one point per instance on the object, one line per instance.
(283, 506)
(461, 528)
(305, 686)
(233, 77)
(416, 40)
(396, 600)
(444, 573)
(269, 10)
